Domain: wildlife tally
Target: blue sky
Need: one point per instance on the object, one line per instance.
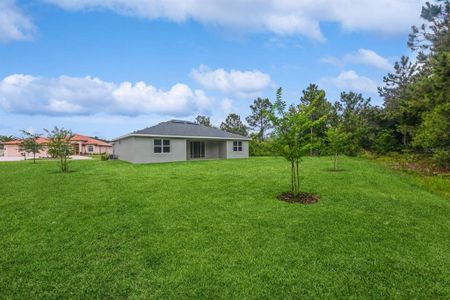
(108, 67)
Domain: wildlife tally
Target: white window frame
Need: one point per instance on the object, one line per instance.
(237, 146)
(164, 144)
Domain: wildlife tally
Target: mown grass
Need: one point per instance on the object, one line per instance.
(213, 229)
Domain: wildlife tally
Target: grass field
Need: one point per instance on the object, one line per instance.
(213, 229)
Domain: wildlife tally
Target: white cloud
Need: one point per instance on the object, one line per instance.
(362, 56)
(226, 105)
(14, 25)
(370, 58)
(350, 80)
(87, 95)
(283, 17)
(242, 84)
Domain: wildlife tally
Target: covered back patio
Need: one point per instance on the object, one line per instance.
(206, 149)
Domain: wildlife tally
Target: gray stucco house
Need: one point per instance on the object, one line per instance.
(178, 140)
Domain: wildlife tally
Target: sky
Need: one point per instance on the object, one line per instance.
(108, 67)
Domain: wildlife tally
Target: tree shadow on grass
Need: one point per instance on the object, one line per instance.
(59, 172)
(335, 170)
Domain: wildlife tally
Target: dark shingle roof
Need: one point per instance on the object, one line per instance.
(186, 128)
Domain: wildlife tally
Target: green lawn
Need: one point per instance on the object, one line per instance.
(214, 229)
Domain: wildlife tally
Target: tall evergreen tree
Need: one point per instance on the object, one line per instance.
(353, 110)
(258, 120)
(203, 120)
(233, 124)
(313, 96)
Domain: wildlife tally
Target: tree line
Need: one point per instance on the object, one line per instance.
(415, 116)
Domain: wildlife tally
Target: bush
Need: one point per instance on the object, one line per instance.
(442, 159)
(385, 143)
(104, 157)
(260, 148)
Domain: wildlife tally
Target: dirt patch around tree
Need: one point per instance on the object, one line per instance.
(303, 198)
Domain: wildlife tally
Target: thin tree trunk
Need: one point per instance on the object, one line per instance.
(335, 160)
(292, 177)
(34, 157)
(297, 177)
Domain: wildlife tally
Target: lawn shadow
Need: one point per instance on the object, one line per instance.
(59, 172)
(334, 170)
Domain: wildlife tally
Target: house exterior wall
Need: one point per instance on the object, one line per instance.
(96, 150)
(13, 151)
(237, 154)
(223, 149)
(124, 149)
(140, 150)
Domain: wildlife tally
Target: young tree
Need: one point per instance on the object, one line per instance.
(59, 146)
(6, 138)
(312, 95)
(259, 120)
(292, 135)
(233, 124)
(203, 120)
(337, 142)
(30, 144)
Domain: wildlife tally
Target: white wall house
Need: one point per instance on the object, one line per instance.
(177, 140)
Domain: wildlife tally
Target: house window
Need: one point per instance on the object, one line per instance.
(237, 146)
(90, 148)
(161, 146)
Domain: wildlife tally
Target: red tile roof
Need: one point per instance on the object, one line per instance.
(88, 140)
(40, 140)
(76, 138)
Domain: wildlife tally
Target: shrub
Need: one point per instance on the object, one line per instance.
(385, 143)
(260, 148)
(104, 157)
(442, 159)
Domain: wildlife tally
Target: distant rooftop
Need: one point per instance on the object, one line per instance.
(182, 128)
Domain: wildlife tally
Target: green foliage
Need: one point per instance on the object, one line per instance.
(259, 147)
(6, 138)
(337, 140)
(352, 112)
(292, 135)
(233, 124)
(417, 95)
(30, 144)
(434, 132)
(385, 142)
(59, 146)
(313, 96)
(203, 120)
(258, 120)
(104, 157)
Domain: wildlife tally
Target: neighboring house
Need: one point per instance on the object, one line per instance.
(86, 145)
(80, 144)
(177, 140)
(12, 149)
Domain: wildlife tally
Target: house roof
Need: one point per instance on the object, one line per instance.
(76, 138)
(88, 140)
(186, 129)
(39, 140)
